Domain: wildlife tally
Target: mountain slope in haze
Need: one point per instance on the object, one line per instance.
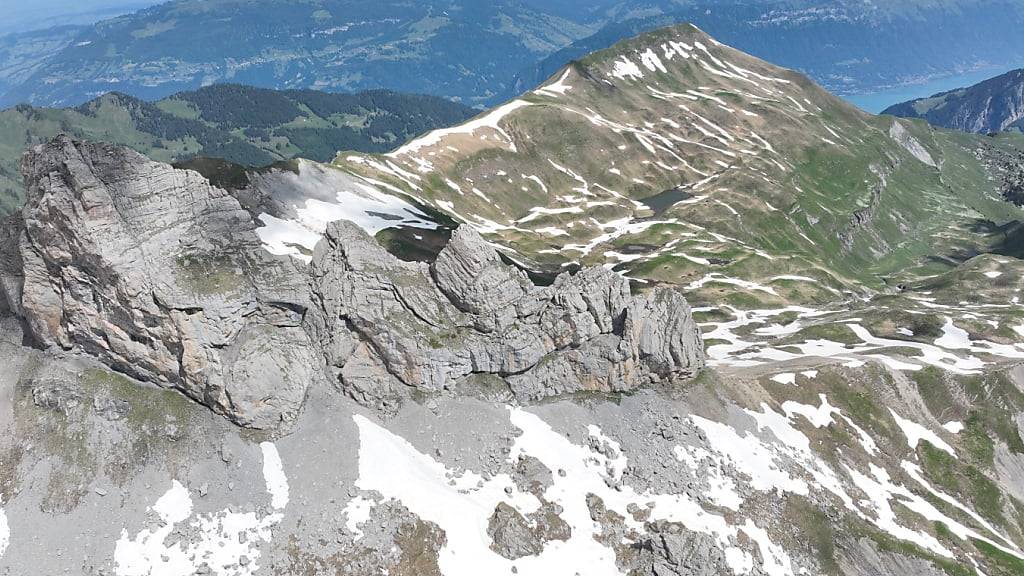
(21, 54)
(674, 158)
(486, 52)
(550, 421)
(245, 125)
(995, 105)
(43, 14)
(846, 47)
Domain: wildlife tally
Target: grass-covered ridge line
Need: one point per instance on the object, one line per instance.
(712, 167)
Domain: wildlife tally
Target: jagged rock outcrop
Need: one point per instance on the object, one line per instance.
(671, 550)
(386, 325)
(161, 276)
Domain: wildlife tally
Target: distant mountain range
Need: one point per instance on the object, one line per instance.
(482, 53)
(249, 126)
(995, 105)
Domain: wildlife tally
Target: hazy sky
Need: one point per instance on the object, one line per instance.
(22, 15)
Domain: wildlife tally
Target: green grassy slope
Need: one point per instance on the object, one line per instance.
(753, 173)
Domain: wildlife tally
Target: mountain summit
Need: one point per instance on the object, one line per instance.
(671, 156)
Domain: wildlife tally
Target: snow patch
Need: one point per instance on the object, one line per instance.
(556, 88)
(368, 207)
(219, 540)
(914, 433)
(626, 68)
(953, 427)
(489, 120)
(5, 530)
(274, 477)
(651, 61)
(356, 512)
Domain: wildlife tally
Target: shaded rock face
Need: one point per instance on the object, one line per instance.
(386, 325)
(11, 276)
(994, 105)
(159, 275)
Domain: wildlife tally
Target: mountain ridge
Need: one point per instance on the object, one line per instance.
(993, 105)
(727, 138)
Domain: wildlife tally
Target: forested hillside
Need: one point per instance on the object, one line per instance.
(245, 125)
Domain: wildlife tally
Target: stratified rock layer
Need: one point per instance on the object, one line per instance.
(385, 324)
(161, 276)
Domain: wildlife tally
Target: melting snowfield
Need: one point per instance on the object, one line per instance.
(462, 502)
(225, 542)
(954, 351)
(769, 455)
(352, 198)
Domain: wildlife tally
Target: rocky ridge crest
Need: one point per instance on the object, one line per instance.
(161, 276)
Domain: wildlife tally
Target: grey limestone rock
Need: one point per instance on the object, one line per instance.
(387, 325)
(863, 558)
(159, 275)
(674, 551)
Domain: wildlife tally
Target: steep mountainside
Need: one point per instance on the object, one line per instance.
(673, 158)
(995, 105)
(485, 52)
(245, 125)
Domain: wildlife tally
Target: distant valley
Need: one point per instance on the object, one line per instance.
(484, 53)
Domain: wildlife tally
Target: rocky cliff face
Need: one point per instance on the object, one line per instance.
(162, 276)
(385, 324)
